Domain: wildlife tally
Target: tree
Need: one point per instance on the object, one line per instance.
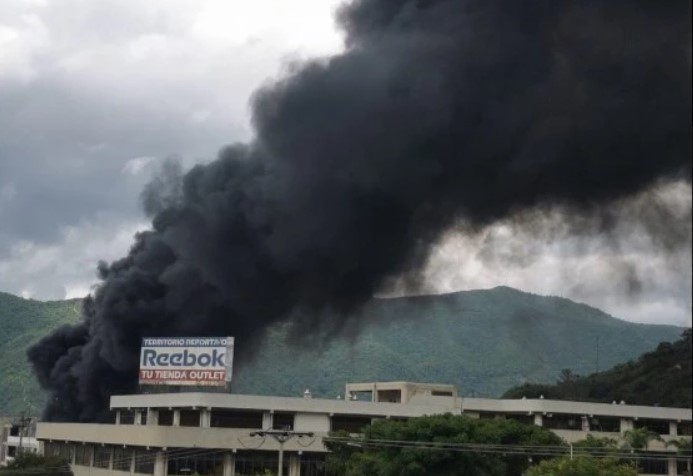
(37, 465)
(684, 448)
(581, 466)
(406, 448)
(639, 439)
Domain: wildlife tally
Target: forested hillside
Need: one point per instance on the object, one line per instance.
(23, 322)
(661, 377)
(484, 342)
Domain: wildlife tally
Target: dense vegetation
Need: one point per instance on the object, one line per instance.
(37, 465)
(582, 466)
(484, 342)
(22, 322)
(662, 377)
(442, 445)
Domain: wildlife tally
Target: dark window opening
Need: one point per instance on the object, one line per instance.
(189, 418)
(283, 421)
(144, 461)
(102, 457)
(65, 451)
(202, 463)
(661, 427)
(83, 455)
(488, 416)
(562, 422)
(127, 417)
(251, 463)
(653, 466)
(350, 424)
(165, 417)
(605, 424)
(236, 419)
(390, 396)
(684, 428)
(441, 393)
(122, 459)
(526, 419)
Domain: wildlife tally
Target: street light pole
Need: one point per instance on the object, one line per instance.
(282, 436)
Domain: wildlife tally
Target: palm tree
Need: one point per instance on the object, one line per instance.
(639, 439)
(684, 447)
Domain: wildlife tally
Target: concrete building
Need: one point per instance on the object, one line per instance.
(15, 439)
(211, 433)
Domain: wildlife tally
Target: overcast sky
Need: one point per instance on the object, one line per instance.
(95, 94)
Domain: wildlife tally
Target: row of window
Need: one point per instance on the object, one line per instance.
(182, 461)
(601, 424)
(113, 457)
(282, 420)
(246, 420)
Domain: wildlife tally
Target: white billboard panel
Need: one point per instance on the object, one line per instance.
(186, 361)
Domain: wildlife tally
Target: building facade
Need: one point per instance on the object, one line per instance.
(216, 433)
(16, 438)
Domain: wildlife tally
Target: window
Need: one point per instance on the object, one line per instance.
(143, 417)
(653, 466)
(605, 424)
(122, 458)
(684, 428)
(189, 418)
(11, 451)
(283, 421)
(144, 461)
(562, 422)
(102, 457)
(83, 455)
(52, 449)
(202, 462)
(526, 419)
(127, 417)
(349, 423)
(65, 451)
(236, 419)
(313, 464)
(251, 463)
(390, 396)
(165, 417)
(661, 427)
(441, 393)
(682, 466)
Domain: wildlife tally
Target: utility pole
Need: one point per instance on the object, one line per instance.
(22, 423)
(282, 436)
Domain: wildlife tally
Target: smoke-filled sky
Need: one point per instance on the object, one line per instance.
(95, 95)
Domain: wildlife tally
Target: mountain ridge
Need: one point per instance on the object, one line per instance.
(483, 341)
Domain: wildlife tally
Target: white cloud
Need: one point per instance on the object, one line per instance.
(67, 267)
(136, 165)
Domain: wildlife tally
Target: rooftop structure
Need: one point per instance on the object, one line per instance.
(212, 433)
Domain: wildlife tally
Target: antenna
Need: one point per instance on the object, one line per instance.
(596, 365)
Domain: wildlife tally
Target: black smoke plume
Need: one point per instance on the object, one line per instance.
(436, 112)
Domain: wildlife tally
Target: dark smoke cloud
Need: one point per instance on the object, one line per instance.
(438, 111)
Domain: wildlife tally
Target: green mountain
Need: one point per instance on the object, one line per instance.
(662, 377)
(483, 341)
(23, 322)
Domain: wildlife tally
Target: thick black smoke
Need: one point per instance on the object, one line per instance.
(438, 111)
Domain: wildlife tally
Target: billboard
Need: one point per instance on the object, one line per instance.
(186, 361)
